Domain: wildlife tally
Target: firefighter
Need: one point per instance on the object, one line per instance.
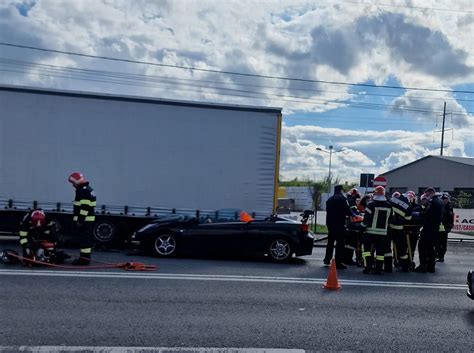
(337, 209)
(35, 226)
(430, 232)
(396, 233)
(377, 217)
(445, 227)
(413, 227)
(84, 217)
(351, 237)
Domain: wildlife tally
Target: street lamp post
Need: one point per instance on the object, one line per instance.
(331, 151)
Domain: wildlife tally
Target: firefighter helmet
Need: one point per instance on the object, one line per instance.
(38, 219)
(379, 193)
(354, 193)
(76, 179)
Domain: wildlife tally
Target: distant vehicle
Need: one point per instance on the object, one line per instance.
(276, 237)
(469, 293)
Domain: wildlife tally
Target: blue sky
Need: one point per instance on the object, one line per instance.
(415, 44)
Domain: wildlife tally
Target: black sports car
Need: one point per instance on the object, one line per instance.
(277, 237)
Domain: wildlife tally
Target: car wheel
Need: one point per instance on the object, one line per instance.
(104, 232)
(280, 250)
(164, 245)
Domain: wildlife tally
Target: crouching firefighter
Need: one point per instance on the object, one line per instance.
(35, 230)
(377, 217)
(84, 216)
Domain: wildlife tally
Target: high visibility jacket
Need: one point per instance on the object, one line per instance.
(377, 217)
(84, 204)
(401, 212)
(29, 233)
(352, 201)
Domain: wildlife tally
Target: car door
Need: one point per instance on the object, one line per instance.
(219, 238)
(260, 234)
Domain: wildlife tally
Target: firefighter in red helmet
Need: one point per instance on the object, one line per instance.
(35, 226)
(84, 216)
(377, 218)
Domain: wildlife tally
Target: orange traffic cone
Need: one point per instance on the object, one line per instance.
(332, 282)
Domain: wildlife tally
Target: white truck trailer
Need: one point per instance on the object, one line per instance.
(143, 156)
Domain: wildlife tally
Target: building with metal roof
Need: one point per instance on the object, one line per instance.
(446, 174)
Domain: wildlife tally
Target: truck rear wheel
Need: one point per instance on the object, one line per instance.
(104, 232)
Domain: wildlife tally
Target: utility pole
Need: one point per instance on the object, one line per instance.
(442, 130)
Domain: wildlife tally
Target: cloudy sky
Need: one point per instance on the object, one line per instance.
(369, 77)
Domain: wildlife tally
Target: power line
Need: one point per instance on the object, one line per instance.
(21, 63)
(250, 94)
(230, 72)
(404, 6)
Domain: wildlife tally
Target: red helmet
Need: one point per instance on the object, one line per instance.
(76, 179)
(379, 191)
(354, 193)
(38, 219)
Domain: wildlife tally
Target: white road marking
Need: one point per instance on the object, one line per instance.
(229, 278)
(89, 349)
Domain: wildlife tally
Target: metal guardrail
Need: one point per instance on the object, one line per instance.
(126, 210)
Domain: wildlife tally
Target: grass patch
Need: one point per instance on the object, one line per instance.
(320, 229)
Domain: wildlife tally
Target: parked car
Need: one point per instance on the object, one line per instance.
(275, 236)
(470, 292)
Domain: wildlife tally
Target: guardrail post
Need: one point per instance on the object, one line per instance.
(58, 207)
(35, 205)
(217, 214)
(10, 203)
(253, 215)
(125, 210)
(197, 214)
(173, 210)
(103, 209)
(148, 211)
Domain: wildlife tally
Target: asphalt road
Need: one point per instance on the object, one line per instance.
(238, 303)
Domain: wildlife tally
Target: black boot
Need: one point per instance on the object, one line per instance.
(405, 265)
(369, 264)
(378, 267)
(420, 269)
(388, 264)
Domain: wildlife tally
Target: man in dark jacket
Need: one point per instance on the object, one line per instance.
(430, 232)
(337, 209)
(448, 223)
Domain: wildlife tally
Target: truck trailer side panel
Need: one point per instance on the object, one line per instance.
(137, 152)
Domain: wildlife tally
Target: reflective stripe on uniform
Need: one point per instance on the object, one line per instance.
(379, 258)
(393, 226)
(441, 227)
(408, 218)
(349, 247)
(47, 232)
(368, 210)
(23, 233)
(23, 241)
(87, 202)
(376, 231)
(388, 254)
(77, 203)
(90, 219)
(75, 218)
(365, 254)
(86, 250)
(84, 212)
(400, 212)
(404, 257)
